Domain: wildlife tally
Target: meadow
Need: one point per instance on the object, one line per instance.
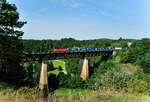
(26, 94)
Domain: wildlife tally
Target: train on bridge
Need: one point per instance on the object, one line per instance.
(72, 50)
(63, 53)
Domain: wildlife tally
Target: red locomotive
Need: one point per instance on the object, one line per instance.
(59, 50)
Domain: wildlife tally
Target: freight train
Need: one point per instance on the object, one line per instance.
(71, 50)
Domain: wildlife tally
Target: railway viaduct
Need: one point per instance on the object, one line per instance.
(43, 58)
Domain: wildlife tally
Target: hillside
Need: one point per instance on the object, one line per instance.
(119, 78)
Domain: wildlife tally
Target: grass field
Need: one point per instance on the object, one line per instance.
(82, 95)
(72, 92)
(26, 94)
(57, 64)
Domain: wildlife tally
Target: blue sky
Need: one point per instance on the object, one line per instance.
(84, 19)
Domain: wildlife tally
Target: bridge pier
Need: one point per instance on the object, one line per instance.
(43, 82)
(38, 72)
(114, 53)
(84, 74)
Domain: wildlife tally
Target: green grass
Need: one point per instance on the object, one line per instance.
(100, 96)
(26, 94)
(57, 64)
(121, 99)
(73, 92)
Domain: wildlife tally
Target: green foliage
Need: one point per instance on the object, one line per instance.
(68, 81)
(145, 77)
(56, 66)
(9, 19)
(137, 86)
(30, 73)
(145, 63)
(105, 73)
(115, 80)
(138, 54)
(112, 80)
(10, 43)
(109, 76)
(48, 45)
(72, 66)
(105, 66)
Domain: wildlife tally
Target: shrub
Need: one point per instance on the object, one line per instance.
(145, 63)
(68, 81)
(108, 75)
(138, 54)
(115, 80)
(104, 67)
(145, 77)
(137, 86)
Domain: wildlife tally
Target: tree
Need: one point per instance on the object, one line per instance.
(10, 42)
(139, 54)
(145, 63)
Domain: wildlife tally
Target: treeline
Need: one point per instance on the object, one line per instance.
(138, 54)
(47, 45)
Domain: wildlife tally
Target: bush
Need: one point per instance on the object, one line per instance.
(145, 63)
(115, 80)
(104, 67)
(68, 81)
(72, 66)
(109, 76)
(145, 77)
(137, 86)
(138, 54)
